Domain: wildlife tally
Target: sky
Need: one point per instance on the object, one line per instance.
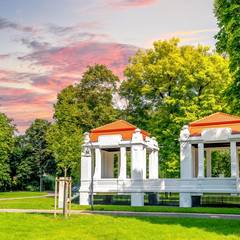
(46, 45)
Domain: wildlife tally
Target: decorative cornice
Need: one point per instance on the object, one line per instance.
(214, 123)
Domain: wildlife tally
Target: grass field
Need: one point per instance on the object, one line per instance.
(162, 209)
(90, 227)
(21, 194)
(34, 226)
(28, 203)
(48, 203)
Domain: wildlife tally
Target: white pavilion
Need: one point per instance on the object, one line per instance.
(116, 140)
(198, 140)
(122, 146)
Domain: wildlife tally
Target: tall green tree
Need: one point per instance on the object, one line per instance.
(169, 86)
(228, 41)
(22, 166)
(6, 147)
(42, 158)
(65, 141)
(89, 103)
(31, 158)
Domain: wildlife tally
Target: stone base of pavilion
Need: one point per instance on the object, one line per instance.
(187, 188)
(136, 155)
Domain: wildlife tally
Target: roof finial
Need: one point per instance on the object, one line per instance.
(86, 138)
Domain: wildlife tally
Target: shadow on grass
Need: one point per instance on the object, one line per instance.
(221, 227)
(118, 227)
(218, 226)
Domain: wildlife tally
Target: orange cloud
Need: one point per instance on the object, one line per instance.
(185, 36)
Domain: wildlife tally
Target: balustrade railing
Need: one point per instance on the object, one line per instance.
(194, 185)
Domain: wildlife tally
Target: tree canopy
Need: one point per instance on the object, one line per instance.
(41, 156)
(89, 103)
(6, 147)
(65, 141)
(31, 158)
(22, 166)
(228, 41)
(170, 85)
(79, 108)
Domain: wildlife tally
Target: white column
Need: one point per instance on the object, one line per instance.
(86, 172)
(234, 159)
(209, 162)
(153, 164)
(200, 160)
(98, 163)
(110, 165)
(150, 164)
(104, 164)
(156, 164)
(144, 162)
(137, 157)
(185, 154)
(137, 163)
(193, 161)
(123, 163)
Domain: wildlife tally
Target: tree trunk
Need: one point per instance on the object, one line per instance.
(41, 182)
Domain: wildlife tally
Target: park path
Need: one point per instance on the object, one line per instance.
(128, 214)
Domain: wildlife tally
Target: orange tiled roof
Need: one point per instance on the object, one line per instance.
(216, 120)
(121, 127)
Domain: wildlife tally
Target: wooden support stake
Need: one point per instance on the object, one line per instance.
(70, 195)
(55, 197)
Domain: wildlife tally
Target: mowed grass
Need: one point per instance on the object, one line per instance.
(211, 210)
(91, 227)
(21, 194)
(28, 203)
(48, 203)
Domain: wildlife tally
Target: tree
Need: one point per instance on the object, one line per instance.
(228, 41)
(170, 85)
(80, 108)
(31, 158)
(89, 103)
(6, 147)
(21, 165)
(40, 155)
(64, 141)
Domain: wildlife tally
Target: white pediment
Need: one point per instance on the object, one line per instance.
(216, 134)
(109, 140)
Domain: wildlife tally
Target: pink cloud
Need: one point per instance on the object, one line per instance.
(4, 56)
(71, 61)
(23, 106)
(62, 30)
(131, 3)
(26, 96)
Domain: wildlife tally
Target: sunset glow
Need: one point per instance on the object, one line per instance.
(47, 45)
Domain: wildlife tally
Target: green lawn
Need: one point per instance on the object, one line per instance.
(28, 203)
(48, 203)
(21, 194)
(34, 226)
(162, 209)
